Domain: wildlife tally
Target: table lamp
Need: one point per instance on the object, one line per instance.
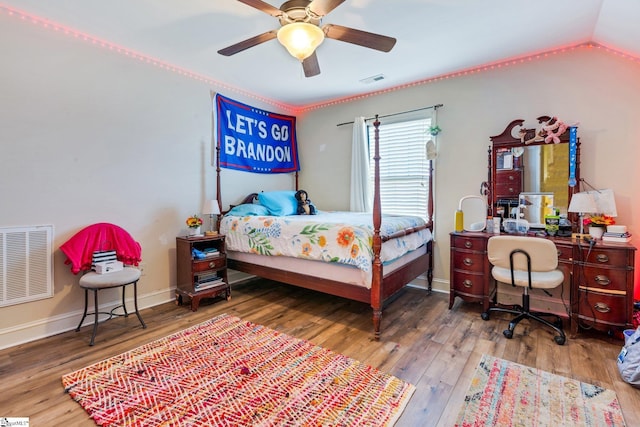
(582, 203)
(605, 202)
(211, 208)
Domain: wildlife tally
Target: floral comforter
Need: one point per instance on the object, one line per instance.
(340, 237)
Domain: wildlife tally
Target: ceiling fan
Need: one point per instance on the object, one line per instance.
(301, 34)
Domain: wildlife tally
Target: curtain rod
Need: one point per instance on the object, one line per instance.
(435, 107)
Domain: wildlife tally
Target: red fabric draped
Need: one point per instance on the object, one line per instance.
(103, 236)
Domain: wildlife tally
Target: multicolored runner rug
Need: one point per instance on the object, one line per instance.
(504, 393)
(229, 372)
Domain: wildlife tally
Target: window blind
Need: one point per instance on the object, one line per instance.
(404, 168)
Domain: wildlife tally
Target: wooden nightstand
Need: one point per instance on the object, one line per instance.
(205, 277)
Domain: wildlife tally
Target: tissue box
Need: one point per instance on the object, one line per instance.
(108, 267)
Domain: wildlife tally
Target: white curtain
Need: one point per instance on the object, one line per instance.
(361, 199)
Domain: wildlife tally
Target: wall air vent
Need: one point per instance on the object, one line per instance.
(26, 267)
(372, 79)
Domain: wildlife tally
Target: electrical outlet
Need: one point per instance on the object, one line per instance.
(142, 267)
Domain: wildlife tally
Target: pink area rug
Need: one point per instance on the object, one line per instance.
(230, 372)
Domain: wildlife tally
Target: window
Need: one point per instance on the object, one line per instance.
(404, 168)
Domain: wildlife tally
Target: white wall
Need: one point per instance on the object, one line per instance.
(599, 90)
(89, 135)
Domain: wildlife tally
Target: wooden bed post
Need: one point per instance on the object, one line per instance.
(376, 288)
(218, 188)
(382, 288)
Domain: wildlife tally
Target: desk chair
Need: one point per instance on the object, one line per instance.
(529, 262)
(79, 250)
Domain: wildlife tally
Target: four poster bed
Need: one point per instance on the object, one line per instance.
(358, 256)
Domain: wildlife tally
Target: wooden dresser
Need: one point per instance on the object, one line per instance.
(597, 292)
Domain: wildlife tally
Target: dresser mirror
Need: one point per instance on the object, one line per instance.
(520, 161)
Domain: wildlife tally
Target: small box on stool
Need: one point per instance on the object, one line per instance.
(108, 267)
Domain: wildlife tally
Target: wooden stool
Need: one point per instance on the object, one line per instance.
(94, 282)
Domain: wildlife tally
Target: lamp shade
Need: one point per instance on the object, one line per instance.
(583, 203)
(211, 207)
(300, 38)
(605, 202)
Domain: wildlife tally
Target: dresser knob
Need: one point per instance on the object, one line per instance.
(511, 177)
(468, 244)
(602, 258)
(602, 280)
(212, 264)
(467, 283)
(602, 307)
(559, 253)
(468, 262)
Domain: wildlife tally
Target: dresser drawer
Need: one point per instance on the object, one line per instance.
(605, 257)
(606, 280)
(507, 191)
(604, 308)
(565, 253)
(468, 243)
(508, 184)
(468, 283)
(469, 261)
(209, 264)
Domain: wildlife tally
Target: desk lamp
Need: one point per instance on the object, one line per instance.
(582, 203)
(605, 202)
(211, 208)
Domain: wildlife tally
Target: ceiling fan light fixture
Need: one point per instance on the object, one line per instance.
(300, 38)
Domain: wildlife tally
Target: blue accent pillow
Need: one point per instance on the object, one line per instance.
(248, 210)
(279, 203)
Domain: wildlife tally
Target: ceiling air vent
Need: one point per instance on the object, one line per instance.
(372, 79)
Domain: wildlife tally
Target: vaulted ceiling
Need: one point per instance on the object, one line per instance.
(434, 38)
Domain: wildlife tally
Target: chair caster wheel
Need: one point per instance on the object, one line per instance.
(560, 340)
(508, 333)
(485, 316)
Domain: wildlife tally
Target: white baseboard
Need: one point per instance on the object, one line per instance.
(437, 285)
(49, 326)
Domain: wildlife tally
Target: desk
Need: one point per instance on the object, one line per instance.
(597, 291)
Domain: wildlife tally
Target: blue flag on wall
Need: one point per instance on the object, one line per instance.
(255, 140)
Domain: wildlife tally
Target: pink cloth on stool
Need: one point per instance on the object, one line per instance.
(102, 236)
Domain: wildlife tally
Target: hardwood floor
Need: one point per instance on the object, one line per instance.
(422, 342)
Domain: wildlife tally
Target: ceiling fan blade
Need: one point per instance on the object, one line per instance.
(310, 66)
(246, 44)
(265, 7)
(322, 7)
(359, 37)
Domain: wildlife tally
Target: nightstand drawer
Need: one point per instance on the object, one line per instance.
(605, 308)
(209, 264)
